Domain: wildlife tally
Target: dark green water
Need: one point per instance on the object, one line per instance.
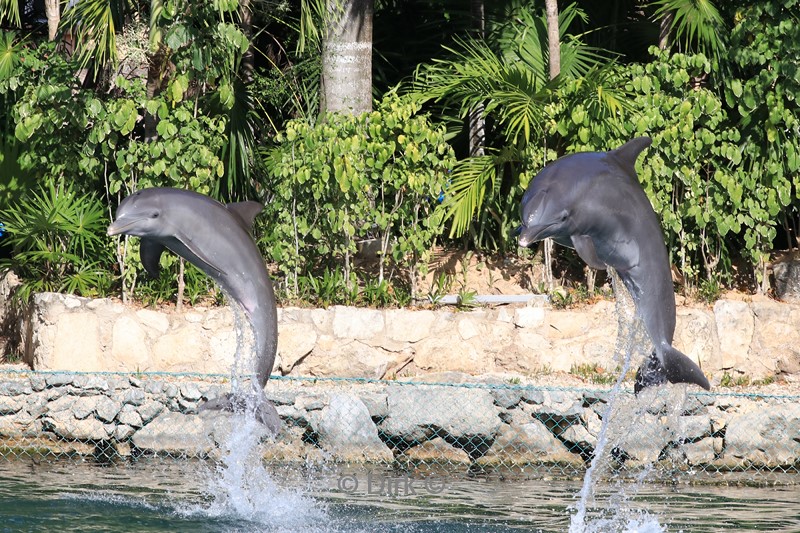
(190, 496)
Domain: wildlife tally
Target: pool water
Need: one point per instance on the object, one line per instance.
(155, 495)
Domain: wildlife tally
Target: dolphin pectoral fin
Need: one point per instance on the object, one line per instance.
(200, 259)
(150, 253)
(585, 247)
(257, 404)
(672, 366)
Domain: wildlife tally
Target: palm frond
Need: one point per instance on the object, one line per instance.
(465, 194)
(696, 25)
(476, 76)
(9, 10)
(239, 147)
(9, 53)
(94, 24)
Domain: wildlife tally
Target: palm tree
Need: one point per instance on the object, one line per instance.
(509, 74)
(347, 57)
(692, 25)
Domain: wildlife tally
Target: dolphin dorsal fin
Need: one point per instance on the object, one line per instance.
(629, 152)
(246, 212)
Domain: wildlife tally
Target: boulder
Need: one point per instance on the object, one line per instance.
(527, 441)
(787, 277)
(767, 436)
(66, 426)
(174, 433)
(419, 412)
(438, 451)
(346, 430)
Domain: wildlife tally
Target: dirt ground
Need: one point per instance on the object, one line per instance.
(453, 271)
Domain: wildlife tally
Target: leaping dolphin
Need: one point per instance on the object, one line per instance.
(216, 238)
(593, 202)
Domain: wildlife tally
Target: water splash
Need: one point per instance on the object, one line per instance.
(632, 343)
(239, 486)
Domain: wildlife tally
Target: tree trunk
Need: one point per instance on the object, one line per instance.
(553, 39)
(475, 120)
(52, 10)
(157, 59)
(246, 23)
(347, 58)
(554, 47)
(663, 33)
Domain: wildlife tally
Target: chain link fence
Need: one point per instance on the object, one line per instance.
(479, 427)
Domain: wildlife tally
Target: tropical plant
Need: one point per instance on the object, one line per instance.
(374, 176)
(58, 240)
(695, 26)
(508, 76)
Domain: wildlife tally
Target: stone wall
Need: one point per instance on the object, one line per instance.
(756, 338)
(478, 422)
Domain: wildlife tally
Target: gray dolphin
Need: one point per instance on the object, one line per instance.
(593, 202)
(216, 238)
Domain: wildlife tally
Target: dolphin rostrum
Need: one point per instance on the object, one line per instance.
(593, 202)
(216, 238)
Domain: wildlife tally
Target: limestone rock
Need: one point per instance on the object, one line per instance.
(529, 317)
(767, 436)
(174, 434)
(699, 453)
(416, 413)
(437, 450)
(641, 439)
(15, 388)
(66, 426)
(295, 341)
(527, 442)
(129, 416)
(346, 430)
(408, 326)
(787, 278)
(735, 327)
(107, 409)
(358, 324)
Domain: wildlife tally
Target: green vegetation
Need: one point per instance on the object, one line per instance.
(56, 236)
(350, 179)
(594, 374)
(156, 94)
(744, 380)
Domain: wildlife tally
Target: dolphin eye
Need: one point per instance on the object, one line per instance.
(154, 215)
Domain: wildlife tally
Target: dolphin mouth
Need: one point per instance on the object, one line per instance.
(120, 226)
(532, 234)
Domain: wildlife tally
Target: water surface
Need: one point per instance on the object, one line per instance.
(156, 495)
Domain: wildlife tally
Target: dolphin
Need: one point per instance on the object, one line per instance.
(593, 202)
(216, 238)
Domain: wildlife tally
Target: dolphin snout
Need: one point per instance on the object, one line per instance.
(532, 234)
(112, 230)
(121, 225)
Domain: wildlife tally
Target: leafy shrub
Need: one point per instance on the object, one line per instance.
(59, 242)
(350, 179)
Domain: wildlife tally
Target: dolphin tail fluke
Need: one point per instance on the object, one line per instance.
(672, 366)
(258, 404)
